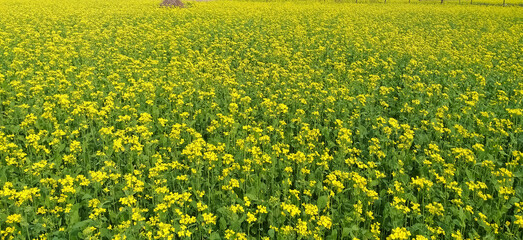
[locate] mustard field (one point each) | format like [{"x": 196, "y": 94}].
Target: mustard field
[{"x": 260, "y": 120}]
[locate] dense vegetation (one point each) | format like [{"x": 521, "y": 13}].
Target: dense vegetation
[{"x": 245, "y": 120}]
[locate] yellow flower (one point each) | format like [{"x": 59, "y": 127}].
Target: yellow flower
[
  {"x": 325, "y": 222},
  {"x": 457, "y": 235},
  {"x": 209, "y": 218},
  {"x": 301, "y": 228},
  {"x": 435, "y": 208},
  {"x": 229, "y": 234},
  {"x": 96, "y": 212},
  {"x": 310, "y": 209},
  {"x": 14, "y": 218},
  {"x": 421, "y": 183},
  {"x": 261, "y": 209},
  {"x": 399, "y": 233},
  {"x": 75, "y": 147},
  {"x": 247, "y": 202},
  {"x": 251, "y": 217},
  {"x": 184, "y": 232},
  {"x": 162, "y": 121},
  {"x": 291, "y": 209},
  {"x": 237, "y": 208},
  {"x": 128, "y": 201},
  {"x": 201, "y": 207},
  {"x": 94, "y": 203},
  {"x": 519, "y": 221},
  {"x": 186, "y": 219}
]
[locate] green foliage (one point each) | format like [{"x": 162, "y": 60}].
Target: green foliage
[{"x": 249, "y": 120}]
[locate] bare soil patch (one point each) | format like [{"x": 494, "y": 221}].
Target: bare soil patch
[{"x": 172, "y": 3}]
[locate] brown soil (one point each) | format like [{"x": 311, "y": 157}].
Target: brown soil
[{"x": 172, "y": 3}]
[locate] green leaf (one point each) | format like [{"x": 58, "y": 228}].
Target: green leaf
[
  {"x": 223, "y": 224},
  {"x": 82, "y": 224},
  {"x": 271, "y": 233},
  {"x": 345, "y": 233},
  {"x": 105, "y": 233},
  {"x": 215, "y": 236},
  {"x": 74, "y": 216},
  {"x": 322, "y": 202},
  {"x": 251, "y": 196},
  {"x": 333, "y": 235}
]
